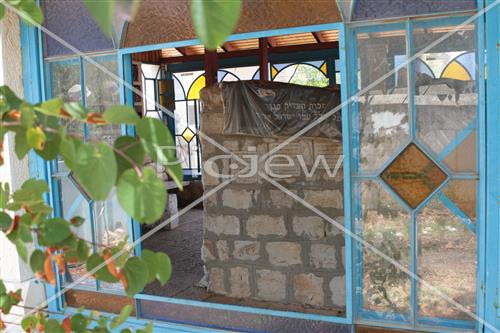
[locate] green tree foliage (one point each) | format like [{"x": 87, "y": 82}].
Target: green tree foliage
[{"x": 99, "y": 167}]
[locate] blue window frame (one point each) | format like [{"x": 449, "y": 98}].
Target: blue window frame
[{"x": 392, "y": 43}]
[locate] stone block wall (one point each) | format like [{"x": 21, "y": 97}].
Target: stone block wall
[{"x": 260, "y": 243}]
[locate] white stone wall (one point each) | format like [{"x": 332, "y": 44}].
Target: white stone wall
[
  {"x": 260, "y": 243},
  {"x": 13, "y": 271}
]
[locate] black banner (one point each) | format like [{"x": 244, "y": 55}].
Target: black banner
[{"x": 279, "y": 109}]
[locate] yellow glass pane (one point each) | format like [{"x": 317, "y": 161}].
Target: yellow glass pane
[
  {"x": 188, "y": 134},
  {"x": 456, "y": 71},
  {"x": 194, "y": 90},
  {"x": 274, "y": 71},
  {"x": 323, "y": 68}
]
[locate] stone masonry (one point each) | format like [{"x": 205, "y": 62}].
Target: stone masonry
[{"x": 259, "y": 242}]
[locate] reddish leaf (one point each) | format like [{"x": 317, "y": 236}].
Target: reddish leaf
[
  {"x": 49, "y": 270},
  {"x": 16, "y": 296},
  {"x": 14, "y": 115},
  {"x": 59, "y": 259},
  {"x": 111, "y": 264},
  {"x": 14, "y": 225},
  {"x": 63, "y": 113},
  {"x": 66, "y": 324},
  {"x": 95, "y": 118},
  {"x": 2, "y": 324}
]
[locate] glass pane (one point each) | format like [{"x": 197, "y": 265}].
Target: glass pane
[
  {"x": 383, "y": 108},
  {"x": 447, "y": 261},
  {"x": 463, "y": 194},
  {"x": 383, "y": 223},
  {"x": 369, "y": 9},
  {"x": 73, "y": 203},
  {"x": 302, "y": 74},
  {"x": 149, "y": 94},
  {"x": 111, "y": 227},
  {"x": 64, "y": 82},
  {"x": 70, "y": 20},
  {"x": 446, "y": 97},
  {"x": 102, "y": 90}
]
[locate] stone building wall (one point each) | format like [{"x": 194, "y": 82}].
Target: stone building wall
[{"x": 260, "y": 243}]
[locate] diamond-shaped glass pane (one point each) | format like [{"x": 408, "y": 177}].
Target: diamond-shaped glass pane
[
  {"x": 413, "y": 175},
  {"x": 188, "y": 134}
]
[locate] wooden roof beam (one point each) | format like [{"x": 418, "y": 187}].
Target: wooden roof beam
[
  {"x": 319, "y": 38},
  {"x": 182, "y": 50},
  {"x": 272, "y": 41},
  {"x": 228, "y": 47},
  {"x": 255, "y": 52}
]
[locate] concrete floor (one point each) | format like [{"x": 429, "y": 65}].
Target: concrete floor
[{"x": 183, "y": 245}]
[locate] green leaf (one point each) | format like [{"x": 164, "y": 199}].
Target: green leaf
[
  {"x": 54, "y": 231},
  {"x": 175, "y": 172},
  {"x": 21, "y": 146},
  {"x": 130, "y": 147},
  {"x": 102, "y": 322},
  {"x": 121, "y": 114},
  {"x": 23, "y": 230},
  {"x": 2, "y": 11},
  {"x": 27, "y": 115},
  {"x": 148, "y": 328},
  {"x": 53, "y": 326},
  {"x": 164, "y": 268},
  {"x": 102, "y": 274},
  {"x": 28, "y": 324},
  {"x": 5, "y": 303},
  {"x": 152, "y": 261},
  {"x": 124, "y": 314},
  {"x": 126, "y": 330},
  {"x": 69, "y": 147},
  {"x": 120, "y": 260},
  {"x": 22, "y": 251},
  {"x": 156, "y": 140},
  {"x": 79, "y": 252},
  {"x": 5, "y": 221},
  {"x": 4, "y": 195},
  {"x": 52, "y": 107},
  {"x": 214, "y": 20},
  {"x": 36, "y": 261},
  {"x": 78, "y": 323},
  {"x": 75, "y": 110},
  {"x": 8, "y": 100},
  {"x": 95, "y": 168},
  {"x": 2, "y": 287},
  {"x": 30, "y": 12},
  {"x": 102, "y": 13},
  {"x": 35, "y": 138},
  {"x": 144, "y": 198},
  {"x": 136, "y": 273},
  {"x": 32, "y": 190},
  {"x": 51, "y": 148}
]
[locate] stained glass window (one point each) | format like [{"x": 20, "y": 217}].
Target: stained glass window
[
  {"x": 150, "y": 76},
  {"x": 312, "y": 73},
  {"x": 187, "y": 87},
  {"x": 415, "y": 141}
]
